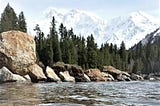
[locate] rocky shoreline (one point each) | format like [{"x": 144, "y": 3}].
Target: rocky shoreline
[{"x": 18, "y": 64}]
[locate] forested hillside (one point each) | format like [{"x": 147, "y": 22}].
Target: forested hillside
[
  {"x": 145, "y": 56},
  {"x": 63, "y": 45}
]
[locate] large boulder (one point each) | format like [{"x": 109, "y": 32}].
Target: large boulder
[
  {"x": 17, "y": 51},
  {"x": 51, "y": 75},
  {"x": 74, "y": 70},
  {"x": 7, "y": 76},
  {"x": 36, "y": 73},
  {"x": 95, "y": 75},
  {"x": 66, "y": 77},
  {"x": 117, "y": 74}
]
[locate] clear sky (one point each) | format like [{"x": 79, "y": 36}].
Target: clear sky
[{"x": 103, "y": 8}]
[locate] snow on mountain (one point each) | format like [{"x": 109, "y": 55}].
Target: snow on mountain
[
  {"x": 151, "y": 37},
  {"x": 83, "y": 23},
  {"x": 131, "y": 28}
]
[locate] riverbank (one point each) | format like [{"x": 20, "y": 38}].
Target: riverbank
[{"x": 18, "y": 63}]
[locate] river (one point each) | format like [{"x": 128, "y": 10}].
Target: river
[{"x": 134, "y": 93}]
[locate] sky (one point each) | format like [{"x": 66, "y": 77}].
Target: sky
[{"x": 106, "y": 9}]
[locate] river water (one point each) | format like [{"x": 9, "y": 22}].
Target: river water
[{"x": 134, "y": 93}]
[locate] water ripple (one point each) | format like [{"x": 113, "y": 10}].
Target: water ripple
[{"x": 136, "y": 93}]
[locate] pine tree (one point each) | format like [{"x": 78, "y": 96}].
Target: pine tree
[
  {"x": 72, "y": 47},
  {"x": 47, "y": 53},
  {"x": 39, "y": 39},
  {"x": 91, "y": 52},
  {"x": 123, "y": 56},
  {"x": 9, "y": 20},
  {"x": 82, "y": 53},
  {"x": 55, "y": 42},
  {"x": 64, "y": 44},
  {"x": 22, "y": 22}
]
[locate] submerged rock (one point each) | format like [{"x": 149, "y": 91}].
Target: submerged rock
[{"x": 7, "y": 76}]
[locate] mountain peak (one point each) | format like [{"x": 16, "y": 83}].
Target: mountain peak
[
  {"x": 141, "y": 17},
  {"x": 131, "y": 28}
]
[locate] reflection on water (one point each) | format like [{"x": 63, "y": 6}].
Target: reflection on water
[{"x": 81, "y": 94}]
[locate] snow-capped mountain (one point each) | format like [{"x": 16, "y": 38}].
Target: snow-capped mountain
[
  {"x": 152, "y": 37},
  {"x": 131, "y": 28},
  {"x": 83, "y": 23}
]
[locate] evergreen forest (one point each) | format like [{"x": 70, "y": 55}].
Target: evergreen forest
[{"x": 63, "y": 45}]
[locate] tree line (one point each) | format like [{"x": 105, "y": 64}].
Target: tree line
[
  {"x": 10, "y": 21},
  {"x": 64, "y": 45}
]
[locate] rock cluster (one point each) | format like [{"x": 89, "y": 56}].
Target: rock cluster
[
  {"x": 74, "y": 72},
  {"x": 18, "y": 64},
  {"x": 18, "y": 55}
]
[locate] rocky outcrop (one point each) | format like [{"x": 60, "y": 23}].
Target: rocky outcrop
[
  {"x": 95, "y": 75},
  {"x": 117, "y": 74},
  {"x": 75, "y": 71},
  {"x": 122, "y": 77},
  {"x": 17, "y": 51},
  {"x": 66, "y": 77},
  {"x": 36, "y": 73},
  {"x": 7, "y": 76},
  {"x": 136, "y": 77},
  {"x": 107, "y": 76},
  {"x": 18, "y": 54},
  {"x": 51, "y": 75}
]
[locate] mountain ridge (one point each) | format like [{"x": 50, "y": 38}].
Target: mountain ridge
[{"x": 131, "y": 28}]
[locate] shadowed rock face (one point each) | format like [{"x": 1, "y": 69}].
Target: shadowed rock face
[{"x": 17, "y": 51}]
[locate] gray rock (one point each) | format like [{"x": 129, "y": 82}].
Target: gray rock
[
  {"x": 8, "y": 76},
  {"x": 108, "y": 76},
  {"x": 122, "y": 77},
  {"x": 51, "y": 75},
  {"x": 36, "y": 73},
  {"x": 66, "y": 77},
  {"x": 136, "y": 77}
]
